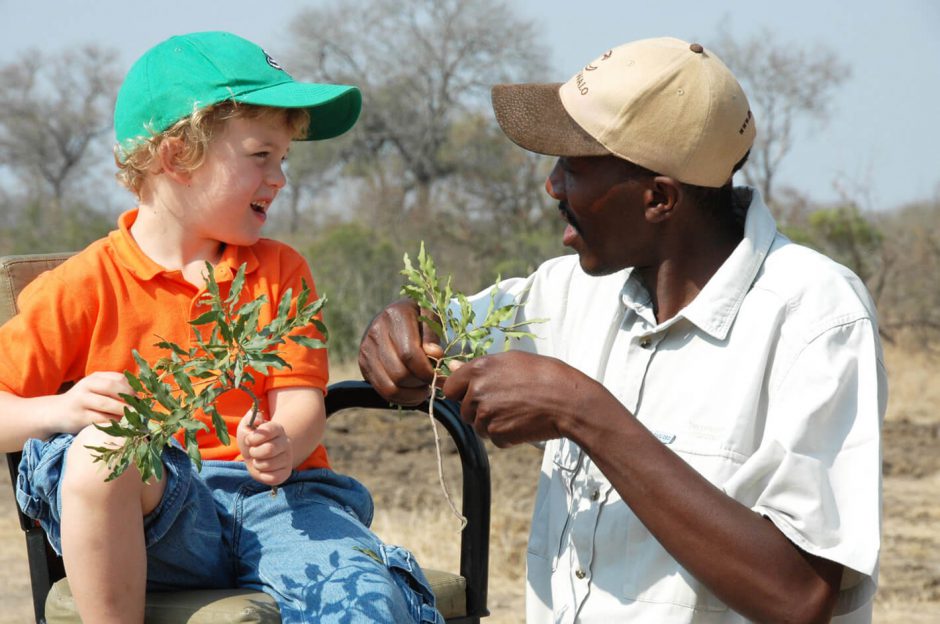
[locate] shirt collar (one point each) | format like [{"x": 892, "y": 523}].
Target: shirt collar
[
  {"x": 133, "y": 258},
  {"x": 715, "y": 307}
]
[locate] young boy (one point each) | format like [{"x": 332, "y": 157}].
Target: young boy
[{"x": 204, "y": 123}]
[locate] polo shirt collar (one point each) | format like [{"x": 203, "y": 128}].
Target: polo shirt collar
[
  {"x": 133, "y": 258},
  {"x": 715, "y": 307}
]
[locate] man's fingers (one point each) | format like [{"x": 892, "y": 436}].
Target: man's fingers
[
  {"x": 405, "y": 357},
  {"x": 430, "y": 341},
  {"x": 457, "y": 385},
  {"x": 392, "y": 355},
  {"x": 433, "y": 350},
  {"x": 382, "y": 367}
]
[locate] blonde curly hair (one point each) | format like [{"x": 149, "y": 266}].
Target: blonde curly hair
[{"x": 197, "y": 131}]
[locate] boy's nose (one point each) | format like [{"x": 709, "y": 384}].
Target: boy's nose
[{"x": 276, "y": 177}]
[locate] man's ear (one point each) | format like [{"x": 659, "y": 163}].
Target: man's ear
[
  {"x": 661, "y": 198},
  {"x": 167, "y": 161}
]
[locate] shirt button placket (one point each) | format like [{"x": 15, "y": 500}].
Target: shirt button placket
[{"x": 583, "y": 529}]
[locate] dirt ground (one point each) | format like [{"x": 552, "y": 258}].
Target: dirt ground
[{"x": 393, "y": 454}]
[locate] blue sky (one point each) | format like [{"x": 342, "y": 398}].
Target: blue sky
[{"x": 882, "y": 139}]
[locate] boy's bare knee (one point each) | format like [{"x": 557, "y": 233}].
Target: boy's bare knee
[
  {"x": 83, "y": 473},
  {"x": 85, "y": 477}
]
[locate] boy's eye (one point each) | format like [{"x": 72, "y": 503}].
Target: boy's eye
[{"x": 261, "y": 154}]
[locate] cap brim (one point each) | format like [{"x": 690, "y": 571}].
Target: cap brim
[
  {"x": 533, "y": 117},
  {"x": 333, "y": 109}
]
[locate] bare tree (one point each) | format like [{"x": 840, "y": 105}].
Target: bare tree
[
  {"x": 909, "y": 296},
  {"x": 313, "y": 169},
  {"x": 783, "y": 83},
  {"x": 55, "y": 112},
  {"x": 421, "y": 64},
  {"x": 51, "y": 112}
]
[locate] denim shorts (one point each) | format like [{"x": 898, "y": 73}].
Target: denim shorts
[{"x": 308, "y": 546}]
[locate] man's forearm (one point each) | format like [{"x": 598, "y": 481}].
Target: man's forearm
[{"x": 739, "y": 555}]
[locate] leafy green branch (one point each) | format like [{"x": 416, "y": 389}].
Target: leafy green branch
[
  {"x": 229, "y": 347},
  {"x": 463, "y": 336}
]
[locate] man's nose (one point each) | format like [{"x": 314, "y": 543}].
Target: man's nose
[{"x": 554, "y": 183}]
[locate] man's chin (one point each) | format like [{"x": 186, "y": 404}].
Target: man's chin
[{"x": 591, "y": 266}]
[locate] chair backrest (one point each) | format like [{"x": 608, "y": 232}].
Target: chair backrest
[
  {"x": 18, "y": 271},
  {"x": 15, "y": 273}
]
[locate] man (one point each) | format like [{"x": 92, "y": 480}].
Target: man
[{"x": 710, "y": 393}]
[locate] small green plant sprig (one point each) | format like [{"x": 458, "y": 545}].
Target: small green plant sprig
[
  {"x": 463, "y": 337},
  {"x": 229, "y": 345}
]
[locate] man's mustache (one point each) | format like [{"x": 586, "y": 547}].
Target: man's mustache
[{"x": 568, "y": 216}]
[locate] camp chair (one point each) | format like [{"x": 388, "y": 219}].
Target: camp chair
[{"x": 461, "y": 597}]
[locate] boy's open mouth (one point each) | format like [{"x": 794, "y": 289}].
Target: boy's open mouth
[{"x": 260, "y": 206}]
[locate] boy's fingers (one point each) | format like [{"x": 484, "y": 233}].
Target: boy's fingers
[
  {"x": 259, "y": 435},
  {"x": 108, "y": 383},
  {"x": 269, "y": 464},
  {"x": 107, "y": 406}
]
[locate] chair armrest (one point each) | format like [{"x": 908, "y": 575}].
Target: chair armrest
[{"x": 475, "y": 537}]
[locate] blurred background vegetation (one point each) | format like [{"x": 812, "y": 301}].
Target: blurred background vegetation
[{"x": 427, "y": 161}]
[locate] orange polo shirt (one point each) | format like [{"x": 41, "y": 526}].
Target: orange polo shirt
[{"x": 87, "y": 315}]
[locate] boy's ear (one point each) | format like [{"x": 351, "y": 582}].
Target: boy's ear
[{"x": 167, "y": 161}]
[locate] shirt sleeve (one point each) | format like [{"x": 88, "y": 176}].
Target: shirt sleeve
[
  {"x": 817, "y": 473},
  {"x": 42, "y": 344},
  {"x": 308, "y": 367}
]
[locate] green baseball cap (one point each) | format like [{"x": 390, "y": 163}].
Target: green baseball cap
[{"x": 188, "y": 72}]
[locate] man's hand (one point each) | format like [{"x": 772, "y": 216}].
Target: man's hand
[
  {"x": 517, "y": 397},
  {"x": 266, "y": 449},
  {"x": 93, "y": 399},
  {"x": 394, "y": 352}
]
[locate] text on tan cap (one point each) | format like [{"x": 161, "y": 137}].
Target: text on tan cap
[{"x": 664, "y": 104}]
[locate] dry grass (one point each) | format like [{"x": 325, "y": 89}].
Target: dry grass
[{"x": 393, "y": 454}]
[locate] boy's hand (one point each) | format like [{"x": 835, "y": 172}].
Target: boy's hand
[
  {"x": 93, "y": 399},
  {"x": 266, "y": 449}
]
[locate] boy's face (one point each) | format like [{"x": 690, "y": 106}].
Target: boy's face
[{"x": 231, "y": 192}]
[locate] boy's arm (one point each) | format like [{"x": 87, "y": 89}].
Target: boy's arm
[
  {"x": 93, "y": 399},
  {"x": 295, "y": 428},
  {"x": 302, "y": 413}
]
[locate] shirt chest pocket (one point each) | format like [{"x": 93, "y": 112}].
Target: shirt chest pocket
[
  {"x": 553, "y": 502},
  {"x": 651, "y": 574}
]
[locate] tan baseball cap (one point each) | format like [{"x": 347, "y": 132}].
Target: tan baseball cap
[{"x": 665, "y": 104}]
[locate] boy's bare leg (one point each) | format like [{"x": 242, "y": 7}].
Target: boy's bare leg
[{"x": 103, "y": 534}]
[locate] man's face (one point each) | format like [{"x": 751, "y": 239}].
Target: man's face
[{"x": 601, "y": 198}]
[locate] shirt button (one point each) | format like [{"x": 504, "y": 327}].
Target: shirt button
[
  {"x": 580, "y": 573},
  {"x": 645, "y": 342},
  {"x": 596, "y": 494}
]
